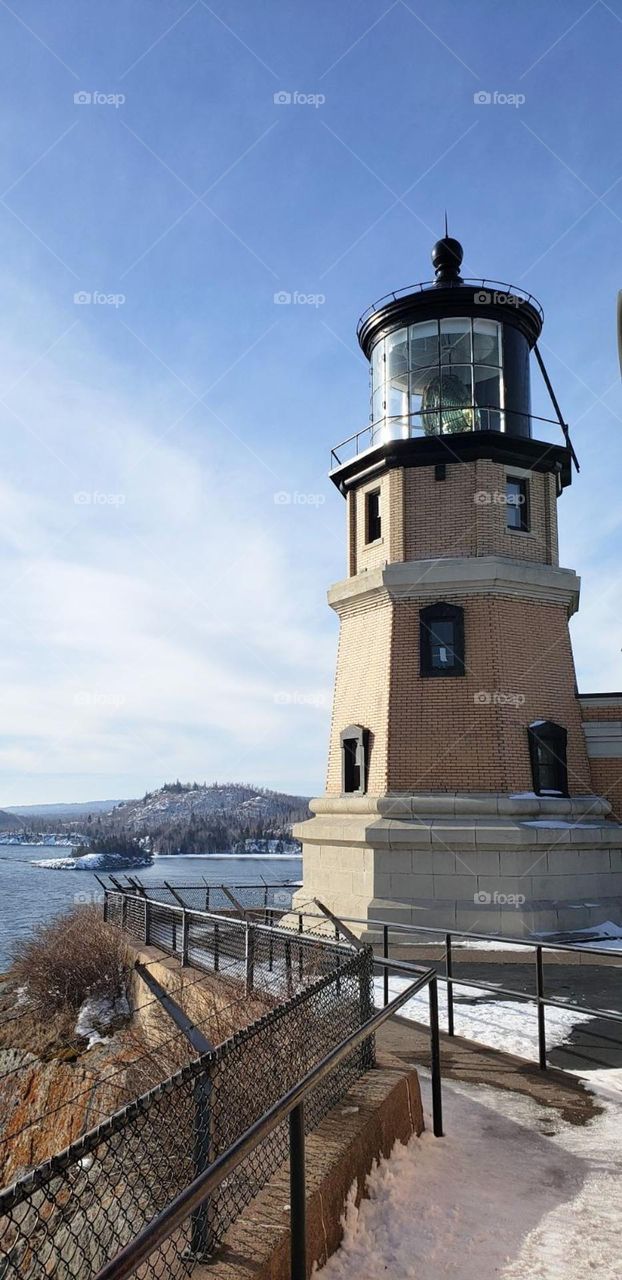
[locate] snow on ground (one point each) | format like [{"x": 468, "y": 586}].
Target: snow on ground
[
  {"x": 509, "y": 1025},
  {"x": 97, "y": 1014},
  {"x": 600, "y": 937},
  {"x": 512, "y": 1192}
]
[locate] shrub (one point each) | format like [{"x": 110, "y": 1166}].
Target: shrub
[{"x": 74, "y": 957}]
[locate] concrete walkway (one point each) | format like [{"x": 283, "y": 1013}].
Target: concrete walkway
[
  {"x": 409, "y": 1043},
  {"x": 525, "y": 1185}
]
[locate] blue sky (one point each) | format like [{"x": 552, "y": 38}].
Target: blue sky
[{"x": 162, "y": 614}]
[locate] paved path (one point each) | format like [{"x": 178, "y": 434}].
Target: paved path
[{"x": 472, "y": 1063}]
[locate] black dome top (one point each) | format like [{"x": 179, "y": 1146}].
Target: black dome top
[
  {"x": 449, "y": 295},
  {"x": 447, "y": 256}
]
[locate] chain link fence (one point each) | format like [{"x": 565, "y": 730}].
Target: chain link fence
[
  {"x": 277, "y": 961},
  {"x": 213, "y": 897},
  {"x": 71, "y": 1214}
]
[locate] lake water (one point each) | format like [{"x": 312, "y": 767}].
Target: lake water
[{"x": 29, "y": 894}]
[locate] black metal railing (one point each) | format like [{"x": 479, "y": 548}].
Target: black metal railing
[
  {"x": 427, "y": 423},
  {"x": 67, "y": 1216},
  {"x": 209, "y": 895},
  {"x": 253, "y": 950},
  {"x": 508, "y": 292},
  {"x": 291, "y": 1107},
  {"x": 539, "y": 997}
]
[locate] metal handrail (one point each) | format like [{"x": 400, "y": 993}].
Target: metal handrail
[
  {"x": 480, "y": 281},
  {"x": 290, "y": 1105},
  {"x": 540, "y": 1000},
  {"x": 420, "y": 413},
  {"x": 466, "y": 933}
]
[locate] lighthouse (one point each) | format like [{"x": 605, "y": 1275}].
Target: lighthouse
[{"x": 465, "y": 772}]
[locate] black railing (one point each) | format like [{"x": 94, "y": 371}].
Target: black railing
[
  {"x": 539, "y": 998},
  {"x": 84, "y": 1205},
  {"x": 426, "y": 423},
  {"x": 209, "y": 895},
  {"x": 290, "y": 1106},
  {"x": 499, "y": 287}
]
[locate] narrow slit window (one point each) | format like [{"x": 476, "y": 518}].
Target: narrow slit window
[
  {"x": 354, "y": 760},
  {"x": 373, "y": 521},
  {"x": 517, "y": 504},
  {"x": 548, "y": 752}
]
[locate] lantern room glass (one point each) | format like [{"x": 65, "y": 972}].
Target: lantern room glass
[{"x": 437, "y": 378}]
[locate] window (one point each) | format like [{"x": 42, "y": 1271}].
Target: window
[
  {"x": 354, "y": 741},
  {"x": 438, "y": 377},
  {"x": 373, "y": 523},
  {"x": 547, "y": 749},
  {"x": 517, "y": 503},
  {"x": 441, "y": 640}
]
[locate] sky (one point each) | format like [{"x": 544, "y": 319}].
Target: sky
[{"x": 197, "y": 201}]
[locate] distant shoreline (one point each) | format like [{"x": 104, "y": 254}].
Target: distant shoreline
[{"x": 239, "y": 857}]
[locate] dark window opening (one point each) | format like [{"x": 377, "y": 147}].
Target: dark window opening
[
  {"x": 441, "y": 639},
  {"x": 373, "y": 523},
  {"x": 547, "y": 749},
  {"x": 440, "y": 471},
  {"x": 354, "y": 759},
  {"x": 517, "y": 503}
]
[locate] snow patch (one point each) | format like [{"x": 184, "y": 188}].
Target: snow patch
[
  {"x": 93, "y": 862},
  {"x": 559, "y": 822},
  {"x": 512, "y": 1191},
  {"x": 508, "y": 1025},
  {"x": 98, "y": 1013}
]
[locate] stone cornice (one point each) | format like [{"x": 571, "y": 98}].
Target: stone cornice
[
  {"x": 460, "y": 576},
  {"x": 449, "y": 804}
]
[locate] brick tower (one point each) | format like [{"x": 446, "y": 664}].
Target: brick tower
[{"x": 459, "y": 789}]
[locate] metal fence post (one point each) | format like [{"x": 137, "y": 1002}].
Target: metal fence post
[
  {"x": 300, "y": 949},
  {"x": 250, "y": 958},
  {"x": 435, "y": 1056},
  {"x": 385, "y": 952},
  {"x": 201, "y": 1221},
  {"x": 147, "y": 920},
  {"x": 184, "y": 937},
  {"x": 271, "y": 942},
  {"x": 449, "y": 969},
  {"x": 541, "y": 1014},
  {"x": 216, "y": 947},
  {"x": 288, "y": 967},
  {"x": 366, "y": 1005},
  {"x": 297, "y": 1193},
  {"x": 124, "y": 911}
]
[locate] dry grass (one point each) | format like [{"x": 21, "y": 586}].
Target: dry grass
[{"x": 74, "y": 957}]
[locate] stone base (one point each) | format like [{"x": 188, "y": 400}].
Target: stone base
[{"x": 512, "y": 865}]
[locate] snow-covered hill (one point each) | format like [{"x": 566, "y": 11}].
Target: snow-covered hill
[{"x": 194, "y": 818}]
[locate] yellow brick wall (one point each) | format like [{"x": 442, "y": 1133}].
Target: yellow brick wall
[
  {"x": 606, "y": 773},
  {"x": 370, "y": 555},
  {"x": 443, "y": 737},
  {"x": 362, "y": 690},
  {"x": 439, "y": 734},
  {"x": 607, "y": 782},
  {"x": 465, "y": 515},
  {"x": 612, "y": 712}
]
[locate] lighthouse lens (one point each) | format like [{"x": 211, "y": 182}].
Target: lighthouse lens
[{"x": 437, "y": 378}]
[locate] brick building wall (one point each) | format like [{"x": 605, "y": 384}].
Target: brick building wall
[
  {"x": 469, "y": 733},
  {"x": 465, "y": 514},
  {"x": 362, "y": 685},
  {"x": 463, "y": 733},
  {"x": 606, "y": 770}
]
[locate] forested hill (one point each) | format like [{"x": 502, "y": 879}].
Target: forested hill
[{"x": 200, "y": 818}]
